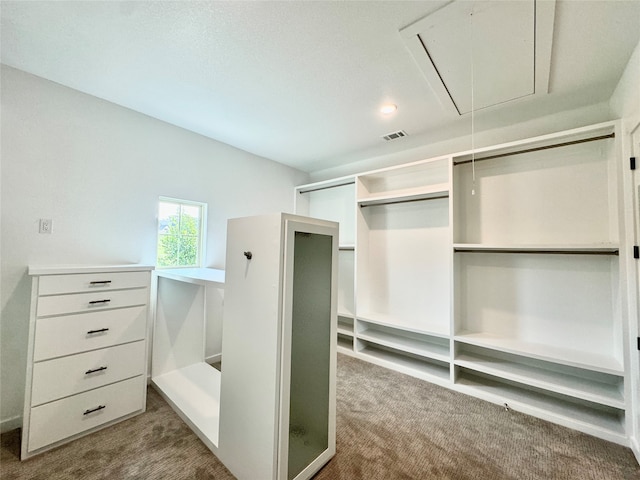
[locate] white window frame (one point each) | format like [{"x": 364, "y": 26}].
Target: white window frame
[{"x": 202, "y": 234}]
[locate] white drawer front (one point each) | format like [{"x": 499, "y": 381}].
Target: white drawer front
[
  {"x": 61, "y": 377},
  {"x": 90, "y": 282},
  {"x": 58, "y": 336},
  {"x": 84, "y": 302},
  {"x": 63, "y": 418}
]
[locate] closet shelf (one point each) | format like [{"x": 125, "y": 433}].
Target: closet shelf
[
  {"x": 432, "y": 329},
  {"x": 422, "y": 348},
  {"x": 593, "y": 249},
  {"x": 404, "y": 362},
  {"x": 345, "y": 344},
  {"x": 346, "y": 332},
  {"x": 601, "y": 421},
  {"x": 347, "y": 247},
  {"x": 194, "y": 392},
  {"x": 198, "y": 276},
  {"x": 428, "y": 192},
  {"x": 564, "y": 356},
  {"x": 609, "y": 394}
]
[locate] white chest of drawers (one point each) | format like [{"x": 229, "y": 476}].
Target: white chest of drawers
[{"x": 87, "y": 353}]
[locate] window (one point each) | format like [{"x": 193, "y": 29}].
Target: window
[{"x": 180, "y": 237}]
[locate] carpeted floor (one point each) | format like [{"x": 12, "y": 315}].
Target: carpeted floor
[{"x": 389, "y": 426}]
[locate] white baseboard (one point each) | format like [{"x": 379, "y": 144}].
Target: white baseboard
[
  {"x": 635, "y": 448},
  {"x": 9, "y": 424}
]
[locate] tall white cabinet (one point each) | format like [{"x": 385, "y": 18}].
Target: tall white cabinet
[
  {"x": 500, "y": 273},
  {"x": 277, "y": 391}
]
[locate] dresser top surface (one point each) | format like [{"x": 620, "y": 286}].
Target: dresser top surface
[{"x": 36, "y": 270}]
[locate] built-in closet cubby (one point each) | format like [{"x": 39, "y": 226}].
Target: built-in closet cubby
[
  {"x": 335, "y": 201},
  {"x": 403, "y": 267},
  {"x": 537, "y": 308},
  {"x": 498, "y": 272}
]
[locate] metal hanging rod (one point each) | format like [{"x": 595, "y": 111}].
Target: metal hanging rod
[
  {"x": 350, "y": 182},
  {"x": 544, "y": 252},
  {"x": 536, "y": 149},
  {"x": 364, "y": 203}
]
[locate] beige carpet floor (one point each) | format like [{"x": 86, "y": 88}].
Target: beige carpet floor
[{"x": 389, "y": 426}]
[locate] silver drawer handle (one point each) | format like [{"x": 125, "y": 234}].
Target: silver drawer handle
[
  {"x": 100, "y": 330},
  {"x": 94, "y": 370},
  {"x": 94, "y": 302},
  {"x": 91, "y": 410},
  {"x": 100, "y": 282}
]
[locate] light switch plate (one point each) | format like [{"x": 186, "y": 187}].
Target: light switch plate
[{"x": 45, "y": 225}]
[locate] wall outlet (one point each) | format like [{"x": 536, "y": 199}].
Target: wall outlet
[{"x": 45, "y": 225}]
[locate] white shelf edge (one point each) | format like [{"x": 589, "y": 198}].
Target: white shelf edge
[
  {"x": 346, "y": 315},
  {"x": 406, "y": 364},
  {"x": 369, "y": 318},
  {"x": 344, "y": 347},
  {"x": 613, "y": 398},
  {"x": 324, "y": 184},
  {"x": 440, "y": 190},
  {"x": 194, "y": 393},
  {"x": 198, "y": 276},
  {"x": 345, "y": 331},
  {"x": 346, "y": 350},
  {"x": 558, "y": 355},
  {"x": 408, "y": 345},
  {"x": 603, "y": 128},
  {"x": 42, "y": 270},
  {"x": 574, "y": 417}
]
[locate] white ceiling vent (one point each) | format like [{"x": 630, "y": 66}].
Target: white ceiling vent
[
  {"x": 483, "y": 53},
  {"x": 395, "y": 135}
]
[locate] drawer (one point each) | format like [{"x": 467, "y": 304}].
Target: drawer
[
  {"x": 58, "y": 420},
  {"x": 91, "y": 282},
  {"x": 61, "y": 377},
  {"x": 69, "y": 334},
  {"x": 94, "y": 301}
]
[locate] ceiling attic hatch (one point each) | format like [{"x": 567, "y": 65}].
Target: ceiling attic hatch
[{"x": 479, "y": 54}]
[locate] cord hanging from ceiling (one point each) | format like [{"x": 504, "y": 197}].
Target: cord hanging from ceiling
[{"x": 473, "y": 144}]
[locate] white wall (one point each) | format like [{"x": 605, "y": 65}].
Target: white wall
[
  {"x": 97, "y": 170},
  {"x": 625, "y": 101}
]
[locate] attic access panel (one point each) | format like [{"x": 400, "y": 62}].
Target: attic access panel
[{"x": 483, "y": 53}]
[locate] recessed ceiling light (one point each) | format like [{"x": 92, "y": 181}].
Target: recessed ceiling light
[{"x": 388, "y": 109}]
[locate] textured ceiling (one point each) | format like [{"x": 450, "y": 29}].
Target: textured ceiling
[{"x": 299, "y": 82}]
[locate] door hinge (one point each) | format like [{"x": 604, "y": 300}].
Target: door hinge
[
  {"x": 632, "y": 163},
  {"x": 638, "y": 343},
  {"x": 636, "y": 251}
]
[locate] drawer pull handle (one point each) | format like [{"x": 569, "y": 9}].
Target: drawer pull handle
[
  {"x": 100, "y": 282},
  {"x": 91, "y": 410},
  {"x": 94, "y": 302},
  {"x": 100, "y": 330},
  {"x": 94, "y": 370}
]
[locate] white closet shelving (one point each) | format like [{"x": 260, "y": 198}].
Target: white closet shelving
[
  {"x": 403, "y": 264},
  {"x": 498, "y": 273},
  {"x": 178, "y": 367},
  {"x": 335, "y": 201}
]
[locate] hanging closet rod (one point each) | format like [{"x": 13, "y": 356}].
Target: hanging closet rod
[
  {"x": 364, "y": 203},
  {"x": 350, "y": 182},
  {"x": 544, "y": 252},
  {"x": 536, "y": 149}
]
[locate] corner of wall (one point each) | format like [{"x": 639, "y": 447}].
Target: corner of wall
[{"x": 625, "y": 100}]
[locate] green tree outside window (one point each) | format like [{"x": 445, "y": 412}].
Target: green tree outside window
[{"x": 179, "y": 234}]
